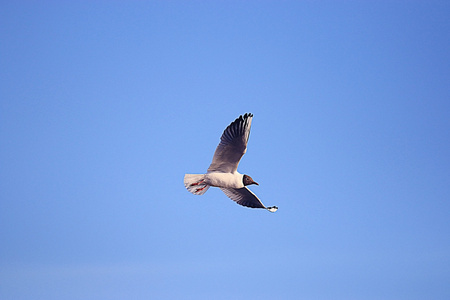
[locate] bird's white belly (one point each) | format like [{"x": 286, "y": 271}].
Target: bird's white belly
[{"x": 225, "y": 180}]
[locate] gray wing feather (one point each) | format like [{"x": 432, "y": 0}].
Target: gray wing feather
[
  {"x": 232, "y": 146},
  {"x": 244, "y": 197}
]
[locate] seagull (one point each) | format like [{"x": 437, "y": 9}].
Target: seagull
[{"x": 222, "y": 172}]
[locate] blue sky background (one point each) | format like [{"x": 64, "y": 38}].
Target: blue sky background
[{"x": 104, "y": 106}]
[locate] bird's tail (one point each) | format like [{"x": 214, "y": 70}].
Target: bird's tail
[{"x": 195, "y": 183}]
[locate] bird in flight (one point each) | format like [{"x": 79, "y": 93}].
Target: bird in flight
[{"x": 222, "y": 172}]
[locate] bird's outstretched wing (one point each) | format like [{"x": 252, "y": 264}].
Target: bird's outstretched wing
[
  {"x": 232, "y": 146},
  {"x": 245, "y": 197}
]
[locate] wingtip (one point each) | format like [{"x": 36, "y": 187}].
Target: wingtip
[{"x": 272, "y": 208}]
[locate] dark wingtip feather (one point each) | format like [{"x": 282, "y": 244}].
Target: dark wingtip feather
[{"x": 237, "y": 127}]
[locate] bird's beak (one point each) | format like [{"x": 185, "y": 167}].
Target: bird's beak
[{"x": 255, "y": 183}]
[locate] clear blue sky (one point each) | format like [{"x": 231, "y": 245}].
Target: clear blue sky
[{"x": 104, "y": 106}]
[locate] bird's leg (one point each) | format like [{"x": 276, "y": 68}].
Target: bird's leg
[
  {"x": 197, "y": 183},
  {"x": 200, "y": 189}
]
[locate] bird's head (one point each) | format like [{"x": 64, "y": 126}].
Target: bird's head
[{"x": 248, "y": 180}]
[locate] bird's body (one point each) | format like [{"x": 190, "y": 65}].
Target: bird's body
[
  {"x": 223, "y": 172},
  {"x": 225, "y": 180}
]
